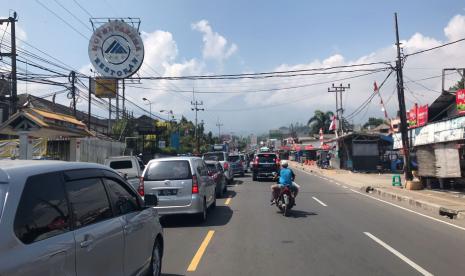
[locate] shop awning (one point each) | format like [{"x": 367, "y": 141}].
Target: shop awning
[{"x": 44, "y": 124}]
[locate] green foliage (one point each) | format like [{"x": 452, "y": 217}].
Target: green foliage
[
  {"x": 373, "y": 122},
  {"x": 319, "y": 120}
]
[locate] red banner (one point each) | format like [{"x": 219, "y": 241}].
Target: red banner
[
  {"x": 412, "y": 117},
  {"x": 460, "y": 101},
  {"x": 422, "y": 115}
]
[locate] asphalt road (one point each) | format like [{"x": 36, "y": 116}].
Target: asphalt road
[{"x": 332, "y": 231}]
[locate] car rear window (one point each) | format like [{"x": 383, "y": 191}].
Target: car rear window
[
  {"x": 217, "y": 156},
  {"x": 233, "y": 158},
  {"x": 168, "y": 170},
  {"x": 123, "y": 164},
  {"x": 266, "y": 158}
]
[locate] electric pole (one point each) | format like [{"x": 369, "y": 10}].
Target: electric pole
[
  {"x": 339, "y": 109},
  {"x": 73, "y": 90},
  {"x": 196, "y": 108},
  {"x": 401, "y": 98},
  {"x": 12, "y": 55}
]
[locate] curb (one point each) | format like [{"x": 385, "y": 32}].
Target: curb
[{"x": 452, "y": 213}]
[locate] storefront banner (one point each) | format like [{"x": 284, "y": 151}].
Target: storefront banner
[
  {"x": 460, "y": 101},
  {"x": 446, "y": 131},
  {"x": 412, "y": 117},
  {"x": 422, "y": 115}
]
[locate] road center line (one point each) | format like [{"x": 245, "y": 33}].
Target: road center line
[
  {"x": 398, "y": 254},
  {"x": 198, "y": 256},
  {"x": 228, "y": 200},
  {"x": 319, "y": 201}
]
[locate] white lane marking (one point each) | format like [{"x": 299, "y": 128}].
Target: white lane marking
[
  {"x": 345, "y": 187},
  {"x": 398, "y": 254},
  {"x": 319, "y": 201},
  {"x": 339, "y": 184},
  {"x": 408, "y": 210}
]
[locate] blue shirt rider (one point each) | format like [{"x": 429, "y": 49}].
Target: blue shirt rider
[{"x": 285, "y": 177}]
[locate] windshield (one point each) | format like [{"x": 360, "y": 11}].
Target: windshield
[
  {"x": 233, "y": 158},
  {"x": 168, "y": 170},
  {"x": 217, "y": 156},
  {"x": 267, "y": 158}
]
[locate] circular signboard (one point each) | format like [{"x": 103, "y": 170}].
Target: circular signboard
[{"x": 116, "y": 50}]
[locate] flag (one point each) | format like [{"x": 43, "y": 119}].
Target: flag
[{"x": 332, "y": 126}]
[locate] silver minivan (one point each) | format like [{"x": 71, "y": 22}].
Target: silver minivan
[
  {"x": 63, "y": 218},
  {"x": 182, "y": 185}
]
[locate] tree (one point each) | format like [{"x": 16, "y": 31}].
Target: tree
[
  {"x": 319, "y": 120},
  {"x": 373, "y": 122}
]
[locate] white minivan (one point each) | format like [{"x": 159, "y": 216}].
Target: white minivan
[
  {"x": 129, "y": 167},
  {"x": 182, "y": 185}
]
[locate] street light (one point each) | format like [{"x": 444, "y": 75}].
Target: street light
[{"x": 150, "y": 106}]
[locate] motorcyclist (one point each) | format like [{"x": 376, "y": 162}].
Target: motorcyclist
[{"x": 285, "y": 177}]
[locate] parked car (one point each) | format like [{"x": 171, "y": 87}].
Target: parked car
[
  {"x": 64, "y": 218},
  {"x": 264, "y": 165},
  {"x": 222, "y": 157},
  {"x": 215, "y": 170},
  {"x": 130, "y": 167},
  {"x": 182, "y": 185},
  {"x": 236, "y": 164}
]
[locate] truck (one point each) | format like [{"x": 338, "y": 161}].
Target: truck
[
  {"x": 220, "y": 147},
  {"x": 129, "y": 167}
]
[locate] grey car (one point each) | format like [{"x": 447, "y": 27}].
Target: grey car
[
  {"x": 182, "y": 185},
  {"x": 63, "y": 218}
]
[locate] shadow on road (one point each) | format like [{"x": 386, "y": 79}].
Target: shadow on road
[
  {"x": 219, "y": 216},
  {"x": 237, "y": 182},
  {"x": 229, "y": 193},
  {"x": 300, "y": 214}
]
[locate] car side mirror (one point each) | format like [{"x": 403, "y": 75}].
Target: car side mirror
[{"x": 150, "y": 200}]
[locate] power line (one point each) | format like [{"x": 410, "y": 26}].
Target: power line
[
  {"x": 64, "y": 21},
  {"x": 82, "y": 8},
  {"x": 434, "y": 48},
  {"x": 74, "y": 16}
]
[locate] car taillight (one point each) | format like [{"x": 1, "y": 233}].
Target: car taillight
[
  {"x": 240, "y": 162},
  {"x": 226, "y": 166},
  {"x": 278, "y": 161},
  {"x": 140, "y": 189},
  {"x": 195, "y": 185},
  {"x": 255, "y": 162}
]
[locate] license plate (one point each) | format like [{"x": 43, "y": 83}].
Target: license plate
[{"x": 169, "y": 192}]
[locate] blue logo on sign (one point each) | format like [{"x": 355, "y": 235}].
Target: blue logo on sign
[{"x": 115, "y": 48}]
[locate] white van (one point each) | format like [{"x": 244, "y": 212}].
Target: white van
[{"x": 130, "y": 167}]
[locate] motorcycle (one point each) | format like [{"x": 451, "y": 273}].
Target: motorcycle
[{"x": 285, "y": 201}]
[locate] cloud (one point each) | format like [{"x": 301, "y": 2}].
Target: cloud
[
  {"x": 216, "y": 46},
  {"x": 259, "y": 111}
]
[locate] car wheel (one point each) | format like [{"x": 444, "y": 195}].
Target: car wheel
[
  {"x": 155, "y": 264},
  {"x": 203, "y": 215},
  {"x": 254, "y": 177},
  {"x": 242, "y": 174}
]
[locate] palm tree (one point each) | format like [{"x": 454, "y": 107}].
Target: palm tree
[{"x": 319, "y": 120}]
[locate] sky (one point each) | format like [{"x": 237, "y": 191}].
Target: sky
[{"x": 184, "y": 38}]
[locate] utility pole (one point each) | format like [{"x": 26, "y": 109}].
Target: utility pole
[
  {"x": 196, "y": 108},
  {"x": 90, "y": 102},
  {"x": 401, "y": 98},
  {"x": 219, "y": 125},
  {"x": 73, "y": 91},
  {"x": 12, "y": 54},
  {"x": 339, "y": 109},
  {"x": 124, "y": 97}
]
